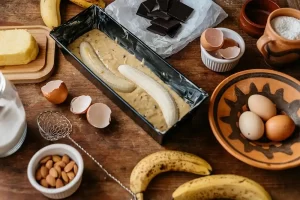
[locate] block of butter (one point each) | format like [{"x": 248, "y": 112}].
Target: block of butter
[{"x": 17, "y": 47}]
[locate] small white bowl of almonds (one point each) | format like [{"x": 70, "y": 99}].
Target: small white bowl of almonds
[{"x": 56, "y": 171}]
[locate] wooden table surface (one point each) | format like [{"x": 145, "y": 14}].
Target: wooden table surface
[{"x": 120, "y": 146}]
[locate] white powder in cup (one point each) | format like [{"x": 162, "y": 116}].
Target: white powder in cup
[{"x": 287, "y": 27}]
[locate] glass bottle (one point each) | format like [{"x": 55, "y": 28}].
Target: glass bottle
[{"x": 13, "y": 126}]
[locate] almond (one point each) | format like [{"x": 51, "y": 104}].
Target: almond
[
  {"x": 45, "y": 159},
  {"x": 71, "y": 175},
  {"x": 69, "y": 166},
  {"x": 44, "y": 171},
  {"x": 38, "y": 175},
  {"x": 53, "y": 173},
  {"x": 59, "y": 183},
  {"x": 58, "y": 169},
  {"x": 49, "y": 164},
  {"x": 51, "y": 180},
  {"x": 75, "y": 169},
  {"x": 56, "y": 158},
  {"x": 66, "y": 159},
  {"x": 61, "y": 164},
  {"x": 44, "y": 183},
  {"x": 65, "y": 176}
]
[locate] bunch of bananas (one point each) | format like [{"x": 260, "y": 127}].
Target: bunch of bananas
[
  {"x": 50, "y": 10},
  {"x": 225, "y": 186}
]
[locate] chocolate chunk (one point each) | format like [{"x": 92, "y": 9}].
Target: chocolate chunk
[
  {"x": 171, "y": 2},
  {"x": 180, "y": 11},
  {"x": 166, "y": 24},
  {"x": 142, "y": 11},
  {"x": 163, "y": 31},
  {"x": 149, "y": 5},
  {"x": 174, "y": 31},
  {"x": 157, "y": 30},
  {"x": 163, "y": 4},
  {"x": 159, "y": 14}
]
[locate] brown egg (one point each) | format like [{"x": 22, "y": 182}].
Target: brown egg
[
  {"x": 251, "y": 125},
  {"x": 262, "y": 106},
  {"x": 55, "y": 91},
  {"x": 212, "y": 39},
  {"x": 279, "y": 128}
]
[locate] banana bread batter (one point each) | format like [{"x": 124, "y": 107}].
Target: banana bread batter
[{"x": 113, "y": 55}]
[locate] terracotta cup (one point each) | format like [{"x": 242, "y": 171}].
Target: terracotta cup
[
  {"x": 254, "y": 15},
  {"x": 276, "y": 49}
]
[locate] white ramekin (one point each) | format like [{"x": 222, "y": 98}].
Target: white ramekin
[
  {"x": 56, "y": 149},
  {"x": 222, "y": 65}
]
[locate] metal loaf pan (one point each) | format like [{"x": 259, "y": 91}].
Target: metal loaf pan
[{"x": 94, "y": 17}]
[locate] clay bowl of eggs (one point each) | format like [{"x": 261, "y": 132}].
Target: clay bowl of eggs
[
  {"x": 221, "y": 49},
  {"x": 255, "y": 116}
]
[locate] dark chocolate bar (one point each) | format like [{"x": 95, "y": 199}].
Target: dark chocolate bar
[
  {"x": 149, "y": 5},
  {"x": 166, "y": 24},
  {"x": 159, "y": 14},
  {"x": 171, "y": 2},
  {"x": 180, "y": 11},
  {"x": 171, "y": 33},
  {"x": 142, "y": 11},
  {"x": 163, "y": 4},
  {"x": 157, "y": 30}
]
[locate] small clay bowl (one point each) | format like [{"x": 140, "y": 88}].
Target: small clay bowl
[
  {"x": 229, "y": 100},
  {"x": 254, "y": 15}
]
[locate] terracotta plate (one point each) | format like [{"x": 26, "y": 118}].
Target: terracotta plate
[{"x": 229, "y": 100}]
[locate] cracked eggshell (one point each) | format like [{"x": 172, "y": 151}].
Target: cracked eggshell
[
  {"x": 230, "y": 52},
  {"x": 212, "y": 39},
  {"x": 55, "y": 91},
  {"x": 228, "y": 42},
  {"x": 80, "y": 105},
  {"x": 99, "y": 115}
]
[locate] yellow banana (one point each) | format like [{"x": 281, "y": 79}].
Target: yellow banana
[
  {"x": 164, "y": 161},
  {"x": 50, "y": 12},
  {"x": 88, "y": 3},
  {"x": 221, "y": 187}
]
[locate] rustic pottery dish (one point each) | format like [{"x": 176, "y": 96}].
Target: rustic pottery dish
[
  {"x": 229, "y": 100},
  {"x": 276, "y": 49},
  {"x": 254, "y": 15}
]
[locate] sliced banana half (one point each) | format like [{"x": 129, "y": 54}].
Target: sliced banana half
[
  {"x": 91, "y": 60},
  {"x": 155, "y": 90}
]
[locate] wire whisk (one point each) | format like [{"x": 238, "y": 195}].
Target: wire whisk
[{"x": 54, "y": 126}]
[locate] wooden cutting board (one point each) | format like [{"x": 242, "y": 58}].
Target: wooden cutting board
[{"x": 41, "y": 68}]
